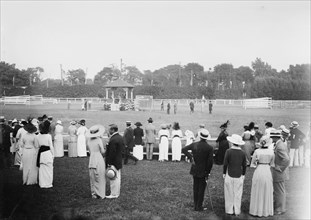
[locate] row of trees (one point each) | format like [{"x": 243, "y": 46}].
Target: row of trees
[{"x": 223, "y": 81}]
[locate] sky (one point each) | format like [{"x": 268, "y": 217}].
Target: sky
[{"x": 150, "y": 35}]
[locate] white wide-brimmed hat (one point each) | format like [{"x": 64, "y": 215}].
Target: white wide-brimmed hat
[
  {"x": 295, "y": 124},
  {"x": 235, "y": 139},
  {"x": 96, "y": 131},
  {"x": 189, "y": 134},
  {"x": 204, "y": 134},
  {"x": 111, "y": 172}
]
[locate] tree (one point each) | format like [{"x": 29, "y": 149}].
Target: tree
[
  {"x": 34, "y": 75},
  {"x": 244, "y": 74},
  {"x": 262, "y": 69},
  {"x": 76, "y": 77},
  {"x": 106, "y": 75},
  {"x": 133, "y": 75},
  {"x": 196, "y": 74}
]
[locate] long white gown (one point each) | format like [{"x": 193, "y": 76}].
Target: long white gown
[
  {"x": 261, "y": 201},
  {"x": 58, "y": 141},
  {"x": 163, "y": 144},
  {"x": 81, "y": 141},
  {"x": 18, "y": 156},
  {"x": 176, "y": 145},
  {"x": 46, "y": 161}
]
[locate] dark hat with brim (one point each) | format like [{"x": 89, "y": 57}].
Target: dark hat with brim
[
  {"x": 30, "y": 128},
  {"x": 2, "y": 119},
  {"x": 150, "y": 120},
  {"x": 138, "y": 124}
]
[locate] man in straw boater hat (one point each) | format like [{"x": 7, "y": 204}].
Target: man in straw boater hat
[
  {"x": 202, "y": 163},
  {"x": 151, "y": 132},
  {"x": 233, "y": 173},
  {"x": 128, "y": 137},
  {"x": 279, "y": 171},
  {"x": 296, "y": 145},
  {"x": 114, "y": 157}
]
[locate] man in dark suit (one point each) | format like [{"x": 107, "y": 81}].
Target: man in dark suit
[
  {"x": 202, "y": 163},
  {"x": 128, "y": 137},
  {"x": 279, "y": 171},
  {"x": 114, "y": 158}
]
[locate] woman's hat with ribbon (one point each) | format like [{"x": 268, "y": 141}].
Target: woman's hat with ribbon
[
  {"x": 236, "y": 139},
  {"x": 96, "y": 131}
]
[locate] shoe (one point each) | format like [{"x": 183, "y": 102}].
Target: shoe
[
  {"x": 278, "y": 213},
  {"x": 111, "y": 197}
]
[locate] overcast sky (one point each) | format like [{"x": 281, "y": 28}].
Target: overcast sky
[{"x": 153, "y": 34}]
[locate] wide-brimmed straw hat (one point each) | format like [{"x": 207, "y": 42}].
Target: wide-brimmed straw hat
[
  {"x": 275, "y": 133},
  {"x": 204, "y": 134},
  {"x": 14, "y": 121},
  {"x": 59, "y": 122},
  {"x": 111, "y": 172},
  {"x": 294, "y": 124},
  {"x": 96, "y": 131},
  {"x": 73, "y": 122},
  {"x": 30, "y": 128},
  {"x": 235, "y": 139}
]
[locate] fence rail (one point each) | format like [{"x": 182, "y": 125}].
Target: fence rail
[{"x": 300, "y": 104}]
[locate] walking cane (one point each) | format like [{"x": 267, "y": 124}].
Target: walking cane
[{"x": 209, "y": 195}]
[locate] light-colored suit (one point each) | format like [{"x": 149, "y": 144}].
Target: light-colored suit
[
  {"x": 280, "y": 174},
  {"x": 150, "y": 138}
]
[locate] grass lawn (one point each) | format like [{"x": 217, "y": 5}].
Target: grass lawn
[{"x": 150, "y": 190}]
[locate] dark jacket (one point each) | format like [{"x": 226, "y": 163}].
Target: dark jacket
[
  {"x": 5, "y": 139},
  {"x": 114, "y": 151},
  {"x": 128, "y": 137},
  {"x": 296, "y": 138},
  {"x": 138, "y": 134},
  {"x": 202, "y": 154}
]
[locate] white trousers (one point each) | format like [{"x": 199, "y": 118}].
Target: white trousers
[
  {"x": 115, "y": 185},
  {"x": 296, "y": 156},
  {"x": 233, "y": 194}
]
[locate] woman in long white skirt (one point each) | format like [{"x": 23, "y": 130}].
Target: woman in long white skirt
[
  {"x": 97, "y": 165},
  {"x": 81, "y": 141},
  {"x": 30, "y": 147},
  {"x": 18, "y": 147},
  {"x": 58, "y": 140},
  {"x": 45, "y": 157},
  {"x": 261, "y": 203},
  {"x": 163, "y": 143},
  {"x": 72, "y": 142},
  {"x": 176, "y": 142}
]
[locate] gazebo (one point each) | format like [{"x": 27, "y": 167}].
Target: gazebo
[{"x": 128, "y": 88}]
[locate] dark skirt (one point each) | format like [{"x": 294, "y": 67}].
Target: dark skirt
[{"x": 220, "y": 155}]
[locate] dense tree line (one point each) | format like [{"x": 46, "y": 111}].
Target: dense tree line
[{"x": 173, "y": 81}]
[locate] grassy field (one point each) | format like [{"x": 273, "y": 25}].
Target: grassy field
[{"x": 150, "y": 190}]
